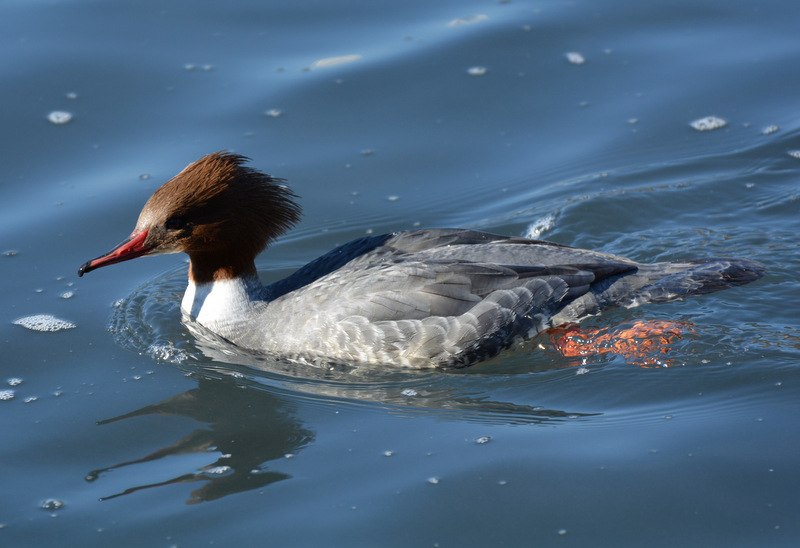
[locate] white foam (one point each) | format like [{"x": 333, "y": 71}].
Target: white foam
[
  {"x": 44, "y": 322},
  {"x": 540, "y": 226},
  {"x": 575, "y": 58},
  {"x": 59, "y": 117},
  {"x": 708, "y": 123}
]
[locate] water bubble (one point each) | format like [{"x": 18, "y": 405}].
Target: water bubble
[
  {"x": 273, "y": 112},
  {"x": 483, "y": 439},
  {"x": 409, "y": 392},
  {"x": 6, "y": 395},
  {"x": 166, "y": 352},
  {"x": 769, "y": 130},
  {"x": 13, "y": 381},
  {"x": 67, "y": 294},
  {"x": 433, "y": 480},
  {"x": 59, "y": 117},
  {"x": 794, "y": 154},
  {"x": 476, "y": 71},
  {"x": 52, "y": 504},
  {"x": 708, "y": 123},
  {"x": 44, "y": 322},
  {"x": 575, "y": 58}
]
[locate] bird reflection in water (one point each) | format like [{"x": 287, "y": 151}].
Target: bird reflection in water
[{"x": 247, "y": 428}]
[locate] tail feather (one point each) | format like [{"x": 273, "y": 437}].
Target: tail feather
[
  {"x": 698, "y": 278},
  {"x": 661, "y": 283}
]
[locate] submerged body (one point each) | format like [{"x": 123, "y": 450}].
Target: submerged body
[{"x": 439, "y": 297}]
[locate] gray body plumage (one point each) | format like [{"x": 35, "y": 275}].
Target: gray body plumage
[{"x": 453, "y": 297}]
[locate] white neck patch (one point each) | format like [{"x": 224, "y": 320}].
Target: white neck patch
[{"x": 220, "y": 306}]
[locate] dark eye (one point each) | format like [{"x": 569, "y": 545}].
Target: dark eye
[{"x": 175, "y": 223}]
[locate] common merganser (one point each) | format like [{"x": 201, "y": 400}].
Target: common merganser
[{"x": 421, "y": 298}]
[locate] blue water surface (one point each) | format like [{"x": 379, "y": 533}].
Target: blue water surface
[{"x": 566, "y": 120}]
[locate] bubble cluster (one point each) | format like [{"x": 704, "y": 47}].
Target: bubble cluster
[
  {"x": 708, "y": 123},
  {"x": 44, "y": 322},
  {"x": 575, "y": 58},
  {"x": 59, "y": 117}
]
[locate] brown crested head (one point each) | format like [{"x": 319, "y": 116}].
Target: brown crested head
[
  {"x": 218, "y": 211},
  {"x": 221, "y": 213}
]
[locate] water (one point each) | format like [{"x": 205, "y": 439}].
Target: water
[{"x": 127, "y": 431}]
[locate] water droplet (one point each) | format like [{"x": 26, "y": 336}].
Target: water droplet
[
  {"x": 273, "y": 112},
  {"x": 483, "y": 439},
  {"x": 476, "y": 71},
  {"x": 6, "y": 395},
  {"x": 769, "y": 130},
  {"x": 433, "y": 480}
]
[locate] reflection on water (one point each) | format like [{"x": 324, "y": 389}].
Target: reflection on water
[
  {"x": 246, "y": 429},
  {"x": 251, "y": 428}
]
